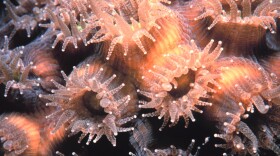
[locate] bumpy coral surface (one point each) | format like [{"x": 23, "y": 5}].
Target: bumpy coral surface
[{"x": 91, "y": 77}]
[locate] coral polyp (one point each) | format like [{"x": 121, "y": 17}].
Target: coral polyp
[
  {"x": 13, "y": 72},
  {"x": 263, "y": 14},
  {"x": 124, "y": 31},
  {"x": 249, "y": 86},
  {"x": 143, "y": 130},
  {"x": 105, "y": 20},
  {"x": 26, "y": 138},
  {"x": 24, "y": 22},
  {"x": 241, "y": 25},
  {"x": 94, "y": 102},
  {"x": 20, "y": 141},
  {"x": 161, "y": 79},
  {"x": 247, "y": 90},
  {"x": 101, "y": 72}
]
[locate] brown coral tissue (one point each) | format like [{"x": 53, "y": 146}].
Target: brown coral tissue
[{"x": 140, "y": 77}]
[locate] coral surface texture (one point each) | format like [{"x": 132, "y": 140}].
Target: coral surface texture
[{"x": 140, "y": 77}]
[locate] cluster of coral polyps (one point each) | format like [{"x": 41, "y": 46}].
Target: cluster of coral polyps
[{"x": 94, "y": 68}]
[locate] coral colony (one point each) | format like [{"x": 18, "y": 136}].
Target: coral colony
[{"x": 100, "y": 71}]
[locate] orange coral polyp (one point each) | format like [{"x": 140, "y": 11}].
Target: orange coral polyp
[
  {"x": 115, "y": 28},
  {"x": 25, "y": 138},
  {"x": 246, "y": 81},
  {"x": 231, "y": 75},
  {"x": 160, "y": 79},
  {"x": 260, "y": 17}
]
